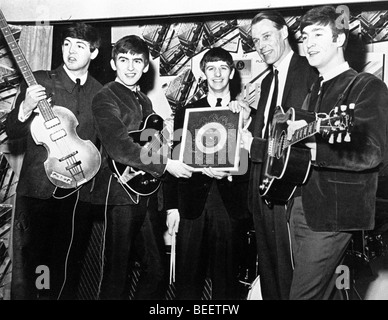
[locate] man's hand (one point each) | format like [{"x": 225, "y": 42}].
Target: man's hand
[
  {"x": 172, "y": 221},
  {"x": 34, "y": 94},
  {"x": 179, "y": 169},
  {"x": 246, "y": 139},
  {"x": 295, "y": 125},
  {"x": 217, "y": 174},
  {"x": 240, "y": 105}
]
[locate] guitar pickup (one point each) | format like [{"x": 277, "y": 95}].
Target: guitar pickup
[
  {"x": 73, "y": 165},
  {"x": 68, "y": 156},
  {"x": 52, "y": 123},
  {"x": 58, "y": 135}
]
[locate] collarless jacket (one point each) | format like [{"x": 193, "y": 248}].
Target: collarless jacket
[
  {"x": 340, "y": 193},
  {"x": 116, "y": 112},
  {"x": 33, "y": 181}
]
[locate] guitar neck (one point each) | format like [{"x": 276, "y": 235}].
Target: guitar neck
[
  {"x": 306, "y": 131},
  {"x": 24, "y": 67}
]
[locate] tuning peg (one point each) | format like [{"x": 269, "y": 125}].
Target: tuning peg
[
  {"x": 339, "y": 138},
  {"x": 331, "y": 139},
  {"x": 347, "y": 137},
  {"x": 352, "y": 106}
]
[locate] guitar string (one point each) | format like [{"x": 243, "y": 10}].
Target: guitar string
[
  {"x": 46, "y": 111},
  {"x": 71, "y": 161}
]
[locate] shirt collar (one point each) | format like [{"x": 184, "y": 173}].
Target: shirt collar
[
  {"x": 212, "y": 99},
  {"x": 284, "y": 64},
  {"x": 335, "y": 72},
  {"x": 73, "y": 78}
]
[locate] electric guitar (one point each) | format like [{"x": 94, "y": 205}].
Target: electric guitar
[
  {"x": 133, "y": 179},
  {"x": 285, "y": 167},
  {"x": 71, "y": 161}
]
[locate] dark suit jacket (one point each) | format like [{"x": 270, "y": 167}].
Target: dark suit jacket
[
  {"x": 340, "y": 194},
  {"x": 300, "y": 78},
  {"x": 33, "y": 181},
  {"x": 189, "y": 195}
]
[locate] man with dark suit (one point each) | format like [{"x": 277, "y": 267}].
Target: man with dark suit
[
  {"x": 211, "y": 204},
  {"x": 295, "y": 77},
  {"x": 340, "y": 194}
]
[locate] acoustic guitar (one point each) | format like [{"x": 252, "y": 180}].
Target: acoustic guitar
[
  {"x": 71, "y": 161},
  {"x": 286, "y": 166}
]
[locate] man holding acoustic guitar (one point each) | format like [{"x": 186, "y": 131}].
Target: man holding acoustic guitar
[
  {"x": 295, "y": 77},
  {"x": 53, "y": 198},
  {"x": 340, "y": 194}
]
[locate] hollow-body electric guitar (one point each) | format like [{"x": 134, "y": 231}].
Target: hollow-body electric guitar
[
  {"x": 287, "y": 166},
  {"x": 150, "y": 136},
  {"x": 71, "y": 161}
]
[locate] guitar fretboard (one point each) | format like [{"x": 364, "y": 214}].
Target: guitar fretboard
[
  {"x": 302, "y": 133},
  {"x": 21, "y": 61}
]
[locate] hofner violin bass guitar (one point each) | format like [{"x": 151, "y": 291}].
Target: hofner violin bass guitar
[
  {"x": 287, "y": 166},
  {"x": 133, "y": 179},
  {"x": 71, "y": 161}
]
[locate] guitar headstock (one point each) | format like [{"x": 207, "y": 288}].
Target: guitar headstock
[{"x": 338, "y": 124}]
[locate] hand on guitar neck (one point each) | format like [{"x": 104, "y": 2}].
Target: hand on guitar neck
[
  {"x": 295, "y": 125},
  {"x": 34, "y": 94}
]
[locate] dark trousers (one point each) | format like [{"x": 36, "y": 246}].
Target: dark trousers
[
  {"x": 129, "y": 231},
  {"x": 204, "y": 248},
  {"x": 274, "y": 252},
  {"x": 317, "y": 256},
  {"x": 52, "y": 233}
]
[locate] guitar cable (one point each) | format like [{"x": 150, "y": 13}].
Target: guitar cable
[
  {"x": 71, "y": 243},
  {"x": 103, "y": 240},
  {"x": 122, "y": 185},
  {"x": 290, "y": 241}
]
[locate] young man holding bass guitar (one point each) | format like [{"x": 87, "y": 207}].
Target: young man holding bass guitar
[{"x": 51, "y": 229}]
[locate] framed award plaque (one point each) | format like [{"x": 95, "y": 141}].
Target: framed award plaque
[{"x": 211, "y": 138}]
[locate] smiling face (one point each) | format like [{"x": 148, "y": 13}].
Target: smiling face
[
  {"x": 77, "y": 56},
  {"x": 129, "y": 68},
  {"x": 322, "y": 50},
  {"x": 218, "y": 74},
  {"x": 270, "y": 42}
]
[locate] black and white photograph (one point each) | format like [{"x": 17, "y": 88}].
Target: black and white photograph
[{"x": 194, "y": 102}]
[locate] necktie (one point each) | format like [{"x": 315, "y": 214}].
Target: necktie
[
  {"x": 273, "y": 101},
  {"x": 274, "y": 95},
  {"x": 218, "y": 104},
  {"x": 77, "y": 92},
  {"x": 319, "y": 94},
  {"x": 78, "y": 84}
]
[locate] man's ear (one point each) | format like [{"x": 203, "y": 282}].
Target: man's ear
[
  {"x": 94, "y": 54},
  {"x": 341, "y": 39},
  {"x": 146, "y": 68},
  {"x": 113, "y": 64},
  {"x": 232, "y": 73},
  {"x": 285, "y": 32}
]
